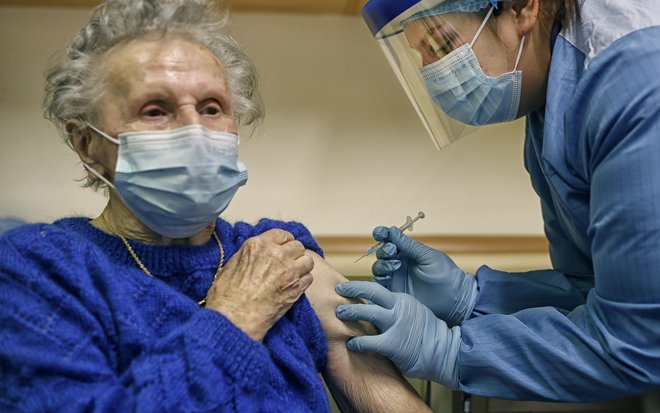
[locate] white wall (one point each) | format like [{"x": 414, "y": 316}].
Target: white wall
[{"x": 341, "y": 148}]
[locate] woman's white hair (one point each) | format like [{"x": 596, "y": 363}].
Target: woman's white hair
[{"x": 72, "y": 85}]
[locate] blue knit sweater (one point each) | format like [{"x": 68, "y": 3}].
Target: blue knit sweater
[{"x": 82, "y": 328}]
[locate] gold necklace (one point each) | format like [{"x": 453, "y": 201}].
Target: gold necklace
[{"x": 112, "y": 229}]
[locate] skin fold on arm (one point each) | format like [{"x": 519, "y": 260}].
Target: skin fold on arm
[{"x": 359, "y": 382}]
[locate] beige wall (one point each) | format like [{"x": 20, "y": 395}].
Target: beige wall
[{"x": 341, "y": 149}]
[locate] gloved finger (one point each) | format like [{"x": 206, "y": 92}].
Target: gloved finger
[
  {"x": 406, "y": 246},
  {"x": 385, "y": 281},
  {"x": 386, "y": 250},
  {"x": 371, "y": 313},
  {"x": 368, "y": 290},
  {"x": 385, "y": 267},
  {"x": 380, "y": 233},
  {"x": 373, "y": 344}
]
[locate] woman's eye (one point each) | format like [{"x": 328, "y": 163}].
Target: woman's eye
[
  {"x": 211, "y": 110},
  {"x": 154, "y": 112}
]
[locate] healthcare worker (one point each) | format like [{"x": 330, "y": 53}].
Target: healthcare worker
[{"x": 587, "y": 76}]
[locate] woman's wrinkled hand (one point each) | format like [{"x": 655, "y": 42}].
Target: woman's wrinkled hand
[{"x": 261, "y": 282}]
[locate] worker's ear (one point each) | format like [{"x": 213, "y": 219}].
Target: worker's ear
[
  {"x": 526, "y": 15},
  {"x": 86, "y": 145}
]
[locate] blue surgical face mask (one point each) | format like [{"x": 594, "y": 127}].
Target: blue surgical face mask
[
  {"x": 176, "y": 182},
  {"x": 458, "y": 85}
]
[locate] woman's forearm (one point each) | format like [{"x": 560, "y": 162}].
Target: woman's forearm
[{"x": 359, "y": 382}]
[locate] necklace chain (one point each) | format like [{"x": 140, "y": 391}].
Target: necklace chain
[{"x": 144, "y": 268}]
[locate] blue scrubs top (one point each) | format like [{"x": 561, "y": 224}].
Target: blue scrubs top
[{"x": 590, "y": 328}]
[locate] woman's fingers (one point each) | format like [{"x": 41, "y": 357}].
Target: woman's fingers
[
  {"x": 304, "y": 265},
  {"x": 261, "y": 282},
  {"x": 276, "y": 236}
]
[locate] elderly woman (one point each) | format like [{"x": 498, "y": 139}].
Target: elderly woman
[{"x": 156, "y": 304}]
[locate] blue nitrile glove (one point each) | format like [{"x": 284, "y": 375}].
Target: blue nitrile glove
[
  {"x": 407, "y": 266},
  {"x": 420, "y": 344}
]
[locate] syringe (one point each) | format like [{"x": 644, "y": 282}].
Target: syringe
[{"x": 408, "y": 225}]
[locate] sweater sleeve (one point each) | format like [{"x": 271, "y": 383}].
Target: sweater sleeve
[
  {"x": 298, "y": 230},
  {"x": 59, "y": 353}
]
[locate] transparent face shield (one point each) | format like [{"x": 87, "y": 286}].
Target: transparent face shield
[{"x": 417, "y": 39}]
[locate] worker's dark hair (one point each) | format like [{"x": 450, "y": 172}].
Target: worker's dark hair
[
  {"x": 557, "y": 11},
  {"x": 565, "y": 11}
]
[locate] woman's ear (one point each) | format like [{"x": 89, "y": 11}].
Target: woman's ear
[
  {"x": 79, "y": 137},
  {"x": 526, "y": 14},
  {"x": 82, "y": 141}
]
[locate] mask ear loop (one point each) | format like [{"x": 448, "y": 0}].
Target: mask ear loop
[
  {"x": 89, "y": 168},
  {"x": 483, "y": 24},
  {"x": 98, "y": 175},
  {"x": 481, "y": 28},
  {"x": 520, "y": 51},
  {"x": 103, "y": 134}
]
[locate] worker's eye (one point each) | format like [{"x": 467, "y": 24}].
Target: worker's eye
[{"x": 445, "y": 49}]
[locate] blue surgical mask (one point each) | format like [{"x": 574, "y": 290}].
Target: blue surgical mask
[
  {"x": 458, "y": 85},
  {"x": 176, "y": 182}
]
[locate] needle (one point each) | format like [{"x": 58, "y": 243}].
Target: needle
[{"x": 408, "y": 225}]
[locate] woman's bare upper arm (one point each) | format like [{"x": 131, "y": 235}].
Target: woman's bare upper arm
[{"x": 321, "y": 294}]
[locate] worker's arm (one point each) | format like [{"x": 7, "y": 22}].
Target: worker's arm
[
  {"x": 607, "y": 347},
  {"x": 358, "y": 382}
]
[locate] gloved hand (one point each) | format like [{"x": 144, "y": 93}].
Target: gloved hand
[
  {"x": 407, "y": 266},
  {"x": 420, "y": 344}
]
